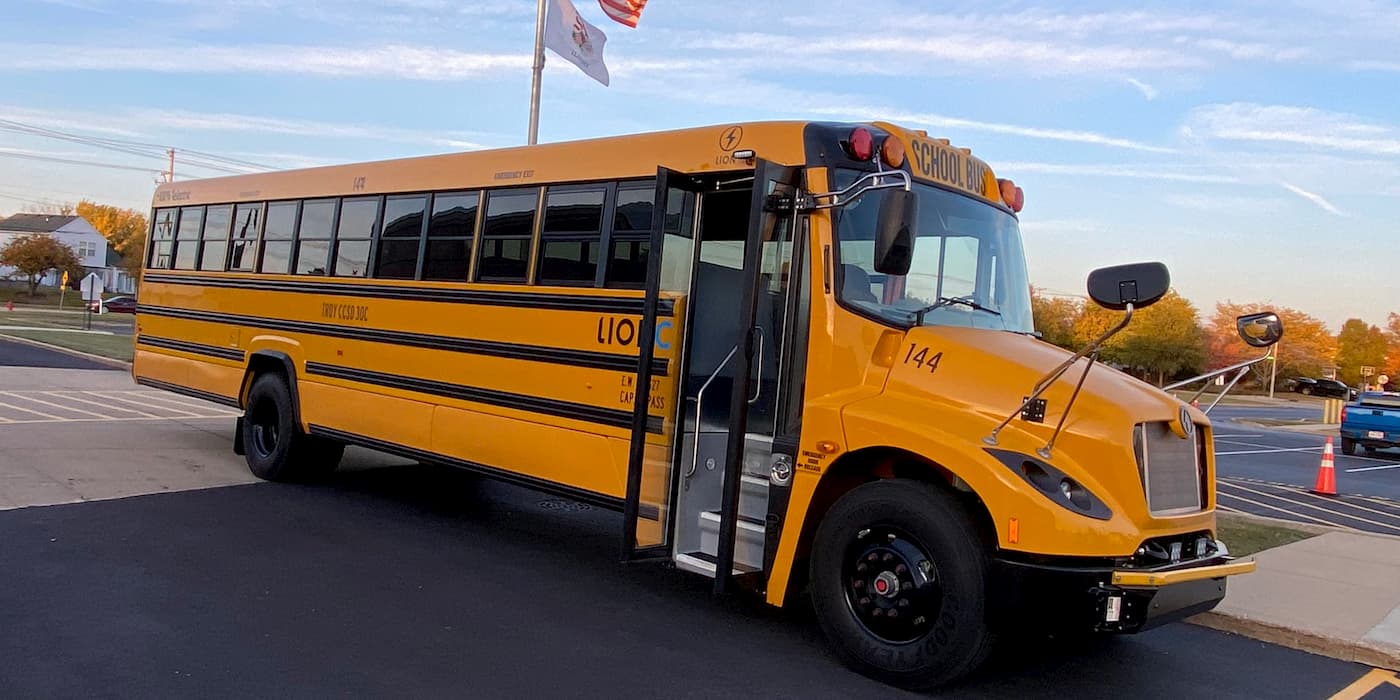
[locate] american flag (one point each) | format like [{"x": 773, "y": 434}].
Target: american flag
[{"x": 624, "y": 11}]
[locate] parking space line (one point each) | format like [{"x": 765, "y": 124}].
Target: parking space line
[
  {"x": 1377, "y": 468},
  {"x": 178, "y": 401},
  {"x": 30, "y": 410},
  {"x": 1269, "y": 451},
  {"x": 1341, "y": 514},
  {"x": 50, "y": 403},
  {"x": 108, "y": 395},
  {"x": 1283, "y": 510},
  {"x": 114, "y": 420},
  {"x": 60, "y": 394},
  {"x": 1363, "y": 686}
]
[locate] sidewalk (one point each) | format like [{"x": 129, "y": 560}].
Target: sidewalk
[{"x": 1337, "y": 594}]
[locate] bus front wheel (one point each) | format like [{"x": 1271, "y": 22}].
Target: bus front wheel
[
  {"x": 898, "y": 581},
  {"x": 273, "y": 443}
]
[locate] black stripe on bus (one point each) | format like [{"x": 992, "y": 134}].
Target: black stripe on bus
[
  {"x": 192, "y": 393},
  {"x": 646, "y": 510},
  {"x": 515, "y": 351},
  {"x": 193, "y": 348},
  {"x": 534, "y": 404},
  {"x": 483, "y": 297}
]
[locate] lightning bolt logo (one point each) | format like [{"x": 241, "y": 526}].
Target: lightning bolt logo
[{"x": 731, "y": 137}]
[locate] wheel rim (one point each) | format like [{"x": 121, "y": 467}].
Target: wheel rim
[
  {"x": 264, "y": 420},
  {"x": 891, "y": 584}
]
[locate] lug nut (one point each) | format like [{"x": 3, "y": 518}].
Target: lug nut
[{"x": 858, "y": 584}]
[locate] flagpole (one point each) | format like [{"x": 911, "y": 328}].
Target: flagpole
[{"x": 538, "y": 72}]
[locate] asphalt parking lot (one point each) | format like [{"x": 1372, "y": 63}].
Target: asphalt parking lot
[{"x": 139, "y": 559}]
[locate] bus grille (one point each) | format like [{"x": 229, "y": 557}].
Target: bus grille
[{"x": 1171, "y": 468}]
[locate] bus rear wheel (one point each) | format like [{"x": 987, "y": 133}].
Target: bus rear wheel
[
  {"x": 273, "y": 443},
  {"x": 898, "y": 580}
]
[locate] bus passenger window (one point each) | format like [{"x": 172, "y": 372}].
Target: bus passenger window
[
  {"x": 314, "y": 237},
  {"x": 214, "y": 244},
  {"x": 353, "y": 234},
  {"x": 162, "y": 239},
  {"x": 398, "y": 245},
  {"x": 631, "y": 237},
  {"x": 450, "y": 231},
  {"x": 279, "y": 226},
  {"x": 572, "y": 233},
  {"x": 506, "y": 235},
  {"x": 187, "y": 237}
]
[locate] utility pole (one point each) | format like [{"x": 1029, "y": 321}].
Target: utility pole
[
  {"x": 170, "y": 174},
  {"x": 1273, "y": 369}
]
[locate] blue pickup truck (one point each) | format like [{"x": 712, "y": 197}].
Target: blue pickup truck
[{"x": 1372, "y": 422}]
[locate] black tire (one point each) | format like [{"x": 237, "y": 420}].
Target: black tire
[
  {"x": 1348, "y": 446},
  {"x": 887, "y": 517},
  {"x": 273, "y": 443}
]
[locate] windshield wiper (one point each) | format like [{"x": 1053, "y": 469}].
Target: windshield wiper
[{"x": 945, "y": 301}]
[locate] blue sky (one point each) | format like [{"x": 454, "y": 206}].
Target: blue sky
[{"x": 1252, "y": 146}]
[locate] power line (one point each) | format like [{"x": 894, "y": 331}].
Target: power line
[
  {"x": 74, "y": 161},
  {"x": 202, "y": 159}
]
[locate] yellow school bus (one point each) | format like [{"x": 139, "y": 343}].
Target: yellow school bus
[{"x": 794, "y": 355}]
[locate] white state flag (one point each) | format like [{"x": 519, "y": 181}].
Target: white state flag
[{"x": 575, "y": 40}]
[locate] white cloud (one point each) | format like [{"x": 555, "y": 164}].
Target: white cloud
[
  {"x": 1312, "y": 197},
  {"x": 1303, "y": 126},
  {"x": 396, "y": 61},
  {"x": 1148, "y": 92},
  {"x": 1115, "y": 170}
]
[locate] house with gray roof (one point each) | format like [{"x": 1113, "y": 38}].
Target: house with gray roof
[{"x": 75, "y": 232}]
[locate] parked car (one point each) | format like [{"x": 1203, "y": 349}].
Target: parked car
[
  {"x": 117, "y": 305},
  {"x": 1309, "y": 386},
  {"x": 1372, "y": 422}
]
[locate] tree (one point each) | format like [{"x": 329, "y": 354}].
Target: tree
[
  {"x": 1164, "y": 339},
  {"x": 1359, "y": 344},
  {"x": 124, "y": 229},
  {"x": 1054, "y": 318},
  {"x": 1392, "y": 335},
  {"x": 35, "y": 255}
]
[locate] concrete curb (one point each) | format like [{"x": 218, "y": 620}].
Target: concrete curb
[
  {"x": 1355, "y": 651},
  {"x": 113, "y": 363}
]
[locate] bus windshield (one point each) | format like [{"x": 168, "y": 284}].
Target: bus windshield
[{"x": 968, "y": 266}]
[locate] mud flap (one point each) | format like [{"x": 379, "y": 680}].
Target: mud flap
[{"x": 238, "y": 436}]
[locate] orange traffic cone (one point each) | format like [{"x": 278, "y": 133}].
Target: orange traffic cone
[{"x": 1326, "y": 475}]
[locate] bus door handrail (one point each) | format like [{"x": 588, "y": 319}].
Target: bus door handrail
[{"x": 699, "y": 403}]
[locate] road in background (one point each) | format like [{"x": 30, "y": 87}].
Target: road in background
[
  {"x": 1269, "y": 471},
  {"x": 15, "y": 354}
]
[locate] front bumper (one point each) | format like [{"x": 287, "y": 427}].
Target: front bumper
[{"x": 1106, "y": 599}]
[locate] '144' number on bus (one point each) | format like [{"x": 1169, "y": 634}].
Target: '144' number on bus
[{"x": 921, "y": 358}]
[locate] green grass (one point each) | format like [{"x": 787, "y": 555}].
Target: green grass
[
  {"x": 117, "y": 347},
  {"x": 1246, "y": 536},
  {"x": 69, "y": 318}
]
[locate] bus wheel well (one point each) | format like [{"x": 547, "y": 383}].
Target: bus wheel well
[
  {"x": 266, "y": 362},
  {"x": 872, "y": 464}
]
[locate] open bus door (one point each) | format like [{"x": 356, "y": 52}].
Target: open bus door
[{"x": 724, "y": 250}]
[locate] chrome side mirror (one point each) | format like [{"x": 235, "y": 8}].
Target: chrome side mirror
[{"x": 1260, "y": 330}]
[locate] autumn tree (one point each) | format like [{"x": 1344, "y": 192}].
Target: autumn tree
[
  {"x": 124, "y": 229},
  {"x": 1164, "y": 339},
  {"x": 1054, "y": 318},
  {"x": 1307, "y": 348},
  {"x": 1359, "y": 344},
  {"x": 35, "y": 255},
  {"x": 1392, "y": 336}
]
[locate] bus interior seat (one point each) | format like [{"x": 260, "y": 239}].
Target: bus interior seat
[
  {"x": 722, "y": 293},
  {"x": 855, "y": 284}
]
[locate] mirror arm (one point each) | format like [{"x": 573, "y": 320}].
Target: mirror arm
[
  {"x": 809, "y": 202},
  {"x": 1240, "y": 368},
  {"x": 1055, "y": 374}
]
